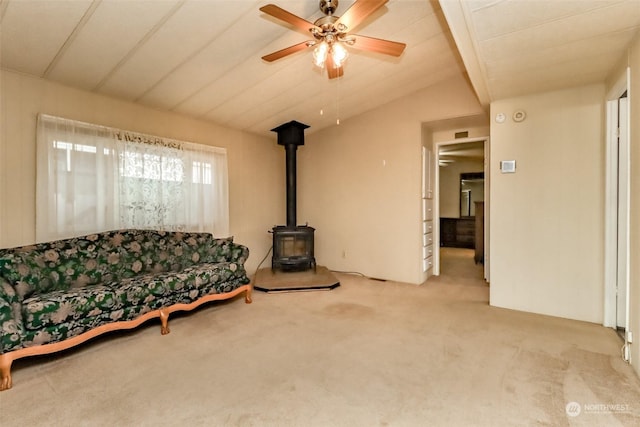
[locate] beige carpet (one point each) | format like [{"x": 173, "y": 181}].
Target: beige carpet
[
  {"x": 368, "y": 353},
  {"x": 278, "y": 281}
]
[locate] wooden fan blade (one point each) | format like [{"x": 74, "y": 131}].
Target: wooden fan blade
[
  {"x": 373, "y": 44},
  {"x": 286, "y": 51},
  {"x": 332, "y": 71},
  {"x": 288, "y": 17},
  {"x": 358, "y": 12}
]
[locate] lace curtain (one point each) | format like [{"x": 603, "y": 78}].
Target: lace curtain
[{"x": 93, "y": 178}]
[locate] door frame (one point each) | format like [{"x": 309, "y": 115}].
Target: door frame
[
  {"x": 612, "y": 234},
  {"x": 436, "y": 201}
]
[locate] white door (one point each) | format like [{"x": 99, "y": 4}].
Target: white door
[
  {"x": 617, "y": 205},
  {"x": 622, "y": 270},
  {"x": 487, "y": 210}
]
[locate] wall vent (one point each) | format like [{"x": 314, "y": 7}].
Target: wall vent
[{"x": 464, "y": 134}]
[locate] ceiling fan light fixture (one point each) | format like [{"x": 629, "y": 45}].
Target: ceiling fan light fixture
[
  {"x": 320, "y": 54},
  {"x": 339, "y": 54},
  {"x": 330, "y": 34}
]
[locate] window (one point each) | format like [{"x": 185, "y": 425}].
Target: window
[{"x": 93, "y": 178}]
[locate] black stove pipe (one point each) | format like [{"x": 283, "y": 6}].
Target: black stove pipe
[
  {"x": 290, "y": 135},
  {"x": 292, "y": 180}
]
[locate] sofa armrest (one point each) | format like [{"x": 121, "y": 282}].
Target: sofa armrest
[
  {"x": 226, "y": 250},
  {"x": 11, "y": 326},
  {"x": 239, "y": 253}
]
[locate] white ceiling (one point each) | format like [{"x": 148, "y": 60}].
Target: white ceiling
[
  {"x": 518, "y": 47},
  {"x": 203, "y": 57}
]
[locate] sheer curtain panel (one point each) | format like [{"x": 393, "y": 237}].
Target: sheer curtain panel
[
  {"x": 93, "y": 178},
  {"x": 76, "y": 179}
]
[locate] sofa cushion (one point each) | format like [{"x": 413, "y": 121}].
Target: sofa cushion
[
  {"x": 73, "y": 327},
  {"x": 199, "y": 280},
  {"x": 44, "y": 310}
]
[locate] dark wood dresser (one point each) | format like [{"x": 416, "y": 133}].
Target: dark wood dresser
[{"x": 457, "y": 232}]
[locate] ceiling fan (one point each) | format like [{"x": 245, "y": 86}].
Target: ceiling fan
[{"x": 331, "y": 34}]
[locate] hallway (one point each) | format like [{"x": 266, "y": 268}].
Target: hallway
[{"x": 457, "y": 266}]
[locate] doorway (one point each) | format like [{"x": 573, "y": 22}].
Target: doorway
[
  {"x": 617, "y": 213},
  {"x": 450, "y": 209}
]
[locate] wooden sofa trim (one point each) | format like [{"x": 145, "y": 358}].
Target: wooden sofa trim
[{"x": 6, "y": 359}]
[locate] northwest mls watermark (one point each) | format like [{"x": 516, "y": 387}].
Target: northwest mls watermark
[{"x": 574, "y": 409}]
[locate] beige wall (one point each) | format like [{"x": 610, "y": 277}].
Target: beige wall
[
  {"x": 360, "y": 183},
  {"x": 256, "y": 164},
  {"x": 547, "y": 219}
]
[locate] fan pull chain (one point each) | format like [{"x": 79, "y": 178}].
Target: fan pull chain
[
  {"x": 324, "y": 102},
  {"x": 338, "y": 101}
]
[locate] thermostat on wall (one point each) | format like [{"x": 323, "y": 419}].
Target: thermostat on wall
[{"x": 508, "y": 166}]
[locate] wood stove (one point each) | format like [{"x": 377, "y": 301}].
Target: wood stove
[
  {"x": 293, "y": 248},
  {"x": 292, "y": 243}
]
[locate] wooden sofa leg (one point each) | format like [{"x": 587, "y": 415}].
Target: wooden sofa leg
[
  {"x": 5, "y": 372},
  {"x": 164, "y": 319},
  {"x": 247, "y": 296}
]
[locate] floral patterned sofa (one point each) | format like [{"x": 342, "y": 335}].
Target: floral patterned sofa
[{"x": 57, "y": 295}]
